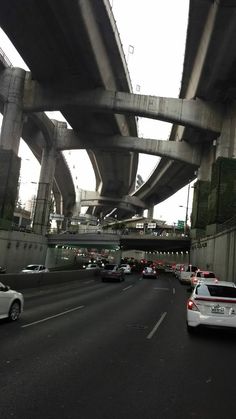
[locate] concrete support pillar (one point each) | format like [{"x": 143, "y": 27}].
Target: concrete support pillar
[
  {"x": 150, "y": 212},
  {"x": 9, "y": 142},
  {"x": 43, "y": 200}
]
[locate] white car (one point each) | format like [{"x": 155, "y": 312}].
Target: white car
[
  {"x": 186, "y": 273},
  {"x": 212, "y": 304},
  {"x": 11, "y": 303},
  {"x": 202, "y": 276},
  {"x": 92, "y": 266},
  {"x": 34, "y": 269},
  {"x": 126, "y": 268}
]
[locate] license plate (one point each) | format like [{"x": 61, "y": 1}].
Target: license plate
[{"x": 218, "y": 310}]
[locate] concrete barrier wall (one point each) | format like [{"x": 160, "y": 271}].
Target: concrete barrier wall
[
  {"x": 216, "y": 253},
  {"x": 18, "y": 249},
  {"x": 23, "y": 281}
]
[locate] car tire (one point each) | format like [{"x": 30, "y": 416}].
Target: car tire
[
  {"x": 14, "y": 312},
  {"x": 191, "y": 330}
]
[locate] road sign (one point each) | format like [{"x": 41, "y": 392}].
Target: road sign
[
  {"x": 57, "y": 217},
  {"x": 180, "y": 224}
]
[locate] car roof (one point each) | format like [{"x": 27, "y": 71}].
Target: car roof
[{"x": 33, "y": 264}]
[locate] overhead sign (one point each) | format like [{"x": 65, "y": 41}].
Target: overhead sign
[
  {"x": 58, "y": 217},
  {"x": 152, "y": 225},
  {"x": 139, "y": 225},
  {"x": 180, "y": 224}
]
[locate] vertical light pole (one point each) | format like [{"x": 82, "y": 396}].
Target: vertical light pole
[
  {"x": 186, "y": 213},
  {"x": 186, "y": 216}
]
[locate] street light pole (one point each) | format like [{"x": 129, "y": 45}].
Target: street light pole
[{"x": 186, "y": 215}]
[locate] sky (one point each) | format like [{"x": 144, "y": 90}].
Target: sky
[{"x": 153, "y": 34}]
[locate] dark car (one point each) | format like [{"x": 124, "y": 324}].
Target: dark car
[{"x": 112, "y": 272}]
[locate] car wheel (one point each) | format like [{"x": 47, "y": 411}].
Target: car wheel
[
  {"x": 191, "y": 330},
  {"x": 14, "y": 312}
]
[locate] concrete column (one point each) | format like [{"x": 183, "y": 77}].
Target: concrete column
[
  {"x": 9, "y": 142},
  {"x": 226, "y": 144},
  {"x": 43, "y": 200},
  {"x": 150, "y": 212},
  {"x": 12, "y": 112}
]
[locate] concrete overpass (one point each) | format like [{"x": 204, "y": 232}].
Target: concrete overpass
[
  {"x": 125, "y": 242},
  {"x": 76, "y": 45}
]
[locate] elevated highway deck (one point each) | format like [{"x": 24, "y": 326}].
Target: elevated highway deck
[{"x": 76, "y": 45}]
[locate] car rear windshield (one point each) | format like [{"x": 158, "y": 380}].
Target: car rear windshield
[
  {"x": 216, "y": 291},
  {"x": 191, "y": 268},
  {"x": 109, "y": 267},
  {"x": 209, "y": 275}
]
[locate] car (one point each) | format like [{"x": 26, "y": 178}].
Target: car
[
  {"x": 34, "y": 269},
  {"x": 149, "y": 272},
  {"x": 112, "y": 272},
  {"x": 11, "y": 303},
  {"x": 178, "y": 268},
  {"x": 202, "y": 276},
  {"x": 126, "y": 268},
  {"x": 186, "y": 273},
  {"x": 92, "y": 266},
  {"x": 168, "y": 268},
  {"x": 212, "y": 304}
]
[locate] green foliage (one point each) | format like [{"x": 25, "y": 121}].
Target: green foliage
[
  {"x": 222, "y": 197},
  {"x": 199, "y": 216}
]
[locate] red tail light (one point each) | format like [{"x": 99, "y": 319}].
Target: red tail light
[{"x": 191, "y": 306}]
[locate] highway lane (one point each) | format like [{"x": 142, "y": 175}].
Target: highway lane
[{"x": 113, "y": 350}]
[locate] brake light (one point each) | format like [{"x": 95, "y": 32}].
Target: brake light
[{"x": 191, "y": 306}]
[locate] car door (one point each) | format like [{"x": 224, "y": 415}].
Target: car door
[{"x": 4, "y": 301}]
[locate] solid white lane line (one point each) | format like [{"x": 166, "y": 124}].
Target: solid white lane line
[
  {"x": 130, "y": 286},
  {"x": 52, "y": 317},
  {"x": 162, "y": 289},
  {"x": 150, "y": 335}
]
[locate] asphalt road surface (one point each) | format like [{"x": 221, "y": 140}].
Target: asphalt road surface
[{"x": 93, "y": 350}]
